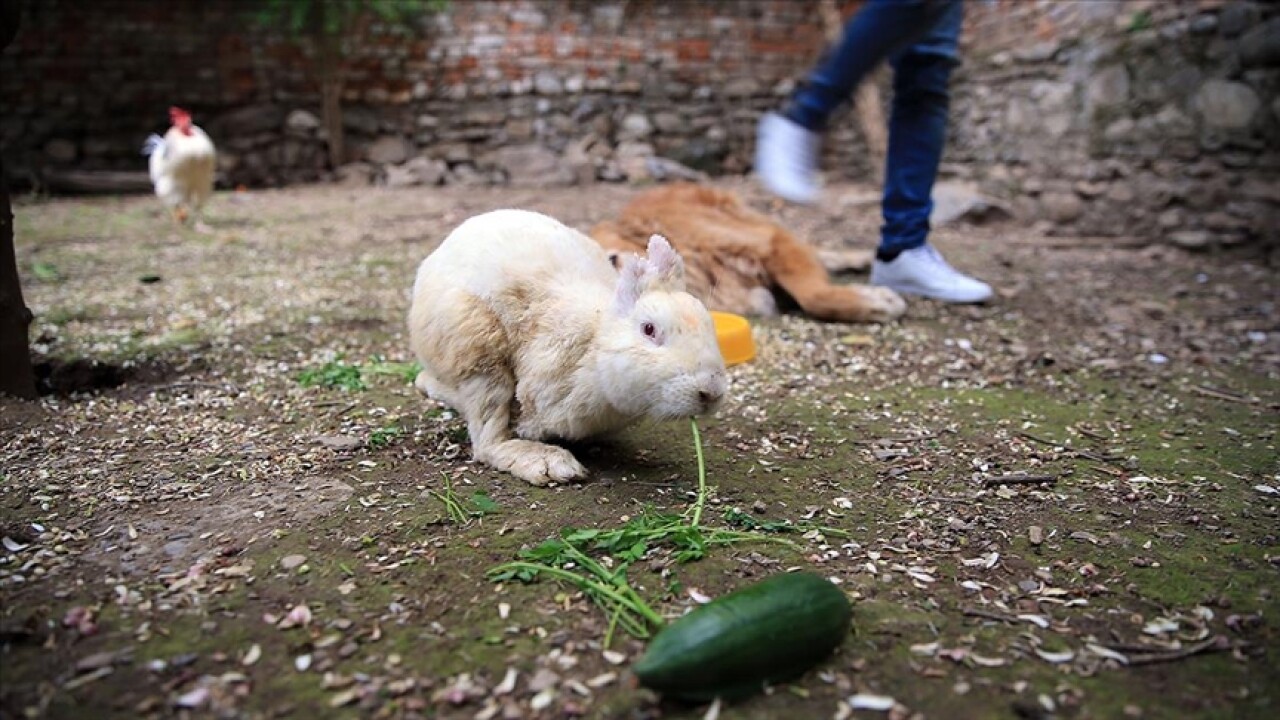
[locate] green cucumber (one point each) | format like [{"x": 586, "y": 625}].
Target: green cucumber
[{"x": 770, "y": 631}]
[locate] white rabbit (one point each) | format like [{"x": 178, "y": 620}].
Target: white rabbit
[{"x": 525, "y": 328}]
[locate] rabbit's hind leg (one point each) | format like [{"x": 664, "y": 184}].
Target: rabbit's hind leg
[
  {"x": 487, "y": 408},
  {"x": 428, "y": 385}
]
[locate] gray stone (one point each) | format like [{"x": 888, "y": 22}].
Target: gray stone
[
  {"x": 632, "y": 160},
  {"x": 1219, "y": 220},
  {"x": 1144, "y": 41},
  {"x": 357, "y": 174},
  {"x": 610, "y": 171},
  {"x": 1204, "y": 195},
  {"x": 742, "y": 88},
  {"x": 1212, "y": 140},
  {"x": 1109, "y": 87},
  {"x": 574, "y": 84},
  {"x": 1120, "y": 194},
  {"x": 546, "y": 82},
  {"x": 360, "y": 120},
  {"x": 561, "y": 123},
  {"x": 665, "y": 170},
  {"x": 1261, "y": 45},
  {"x": 1174, "y": 30},
  {"x": 1184, "y": 81},
  {"x": 1183, "y": 149},
  {"x": 1121, "y": 129},
  {"x": 291, "y": 151},
  {"x": 453, "y": 153},
  {"x": 1053, "y": 95},
  {"x": 530, "y": 165},
  {"x": 1062, "y": 207},
  {"x": 519, "y": 129},
  {"x": 426, "y": 170},
  {"x": 700, "y": 153},
  {"x": 1237, "y": 17},
  {"x": 485, "y": 116},
  {"x": 1259, "y": 189},
  {"x": 668, "y": 122},
  {"x": 1226, "y": 105},
  {"x": 389, "y": 150},
  {"x": 1019, "y": 114},
  {"x": 427, "y": 122},
  {"x": 1204, "y": 24},
  {"x": 521, "y": 86},
  {"x": 60, "y": 151},
  {"x": 301, "y": 121},
  {"x": 1191, "y": 239},
  {"x": 607, "y": 17},
  {"x": 1202, "y": 169},
  {"x": 635, "y": 126},
  {"x": 956, "y": 200},
  {"x": 529, "y": 16},
  {"x": 252, "y": 120},
  {"x": 1173, "y": 122},
  {"x": 1169, "y": 219},
  {"x": 1039, "y": 52},
  {"x": 1088, "y": 189},
  {"x": 467, "y": 175},
  {"x": 397, "y": 176}
]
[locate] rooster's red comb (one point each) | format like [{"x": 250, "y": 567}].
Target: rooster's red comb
[{"x": 176, "y": 111}]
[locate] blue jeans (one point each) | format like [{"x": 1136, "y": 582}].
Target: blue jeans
[{"x": 919, "y": 39}]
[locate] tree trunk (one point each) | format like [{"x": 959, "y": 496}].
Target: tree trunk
[
  {"x": 331, "y": 116},
  {"x": 330, "y": 66},
  {"x": 16, "y": 374}
]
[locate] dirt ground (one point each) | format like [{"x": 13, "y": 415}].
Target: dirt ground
[{"x": 230, "y": 502}]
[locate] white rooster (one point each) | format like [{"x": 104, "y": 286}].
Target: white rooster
[{"x": 182, "y": 165}]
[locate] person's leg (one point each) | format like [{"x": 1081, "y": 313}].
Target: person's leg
[
  {"x": 917, "y": 135},
  {"x": 787, "y": 143},
  {"x": 874, "y": 34},
  {"x": 918, "y": 131}
]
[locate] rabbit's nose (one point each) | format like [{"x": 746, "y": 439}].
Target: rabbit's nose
[{"x": 710, "y": 396}]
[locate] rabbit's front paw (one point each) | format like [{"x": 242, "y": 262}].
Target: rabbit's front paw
[{"x": 541, "y": 464}]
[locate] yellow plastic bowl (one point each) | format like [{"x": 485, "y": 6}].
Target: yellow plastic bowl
[{"x": 734, "y": 334}]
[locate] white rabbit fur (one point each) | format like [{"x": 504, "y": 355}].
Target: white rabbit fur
[{"x": 524, "y": 326}]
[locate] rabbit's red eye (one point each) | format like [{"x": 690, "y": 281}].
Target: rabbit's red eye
[{"x": 649, "y": 329}]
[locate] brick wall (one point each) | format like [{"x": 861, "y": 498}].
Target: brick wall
[{"x": 95, "y": 78}]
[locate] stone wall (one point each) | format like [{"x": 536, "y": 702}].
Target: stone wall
[
  {"x": 1156, "y": 119},
  {"x": 1139, "y": 117}
]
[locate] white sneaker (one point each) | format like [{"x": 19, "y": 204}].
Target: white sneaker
[
  {"x": 787, "y": 159},
  {"x": 922, "y": 271}
]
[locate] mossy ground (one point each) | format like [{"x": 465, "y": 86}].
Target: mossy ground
[{"x": 1144, "y": 382}]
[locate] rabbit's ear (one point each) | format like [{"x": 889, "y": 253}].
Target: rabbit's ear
[
  {"x": 663, "y": 265},
  {"x": 631, "y": 281}
]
